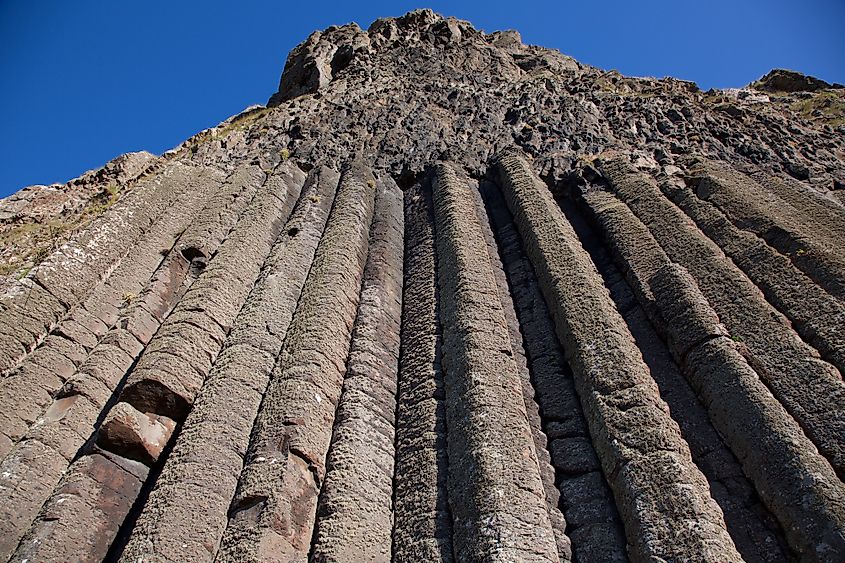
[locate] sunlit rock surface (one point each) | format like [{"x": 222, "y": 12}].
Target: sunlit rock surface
[{"x": 448, "y": 297}]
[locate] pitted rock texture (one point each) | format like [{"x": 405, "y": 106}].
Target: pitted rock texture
[
  {"x": 38, "y": 219},
  {"x": 447, "y": 297}
]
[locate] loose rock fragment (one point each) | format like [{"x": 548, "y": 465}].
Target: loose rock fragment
[{"x": 135, "y": 435}]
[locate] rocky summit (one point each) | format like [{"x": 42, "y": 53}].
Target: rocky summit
[{"x": 447, "y": 297}]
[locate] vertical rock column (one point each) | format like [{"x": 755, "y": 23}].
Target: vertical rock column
[
  {"x": 355, "y": 510},
  {"x": 158, "y": 392},
  {"x": 28, "y": 390},
  {"x": 422, "y": 528},
  {"x": 809, "y": 235},
  {"x": 663, "y": 498},
  {"x": 272, "y": 514},
  {"x": 31, "y": 308},
  {"x": 592, "y": 521},
  {"x": 201, "y": 474},
  {"x": 810, "y": 389},
  {"x": 529, "y": 394},
  {"x": 495, "y": 491},
  {"x": 816, "y": 315},
  {"x": 751, "y": 421},
  {"x": 177, "y": 361},
  {"x": 801, "y": 488},
  {"x": 753, "y": 528},
  {"x": 35, "y": 465}
]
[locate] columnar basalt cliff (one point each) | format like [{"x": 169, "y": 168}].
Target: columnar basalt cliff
[{"x": 447, "y": 297}]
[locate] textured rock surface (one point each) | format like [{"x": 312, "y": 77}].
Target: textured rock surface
[
  {"x": 496, "y": 495},
  {"x": 355, "y": 511},
  {"x": 273, "y": 510},
  {"x": 38, "y": 219},
  {"x": 447, "y": 297}
]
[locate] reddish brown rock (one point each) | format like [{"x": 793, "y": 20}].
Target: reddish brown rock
[{"x": 135, "y": 435}]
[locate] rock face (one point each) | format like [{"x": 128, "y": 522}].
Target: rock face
[
  {"x": 38, "y": 219},
  {"x": 448, "y": 297},
  {"x": 782, "y": 80}
]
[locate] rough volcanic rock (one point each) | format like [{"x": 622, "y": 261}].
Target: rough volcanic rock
[
  {"x": 782, "y": 80},
  {"x": 137, "y": 435},
  {"x": 38, "y": 219},
  {"x": 447, "y": 297}
]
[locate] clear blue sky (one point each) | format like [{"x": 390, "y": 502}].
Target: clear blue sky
[{"x": 84, "y": 81}]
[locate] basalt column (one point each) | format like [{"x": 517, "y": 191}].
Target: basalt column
[
  {"x": 523, "y": 367},
  {"x": 592, "y": 521},
  {"x": 808, "y": 233},
  {"x": 752, "y": 423},
  {"x": 76, "y": 268},
  {"x": 810, "y": 389},
  {"x": 422, "y": 522},
  {"x": 752, "y": 527},
  {"x": 355, "y": 511},
  {"x": 273, "y": 511},
  {"x": 816, "y": 315},
  {"x": 60, "y": 433},
  {"x": 94, "y": 497},
  {"x": 445, "y": 297},
  {"x": 199, "y": 479},
  {"x": 28, "y": 390},
  {"x": 496, "y": 494},
  {"x": 663, "y": 498},
  {"x": 756, "y": 425}
]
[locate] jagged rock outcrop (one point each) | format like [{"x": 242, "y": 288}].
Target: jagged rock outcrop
[
  {"x": 447, "y": 297},
  {"x": 782, "y": 80}
]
